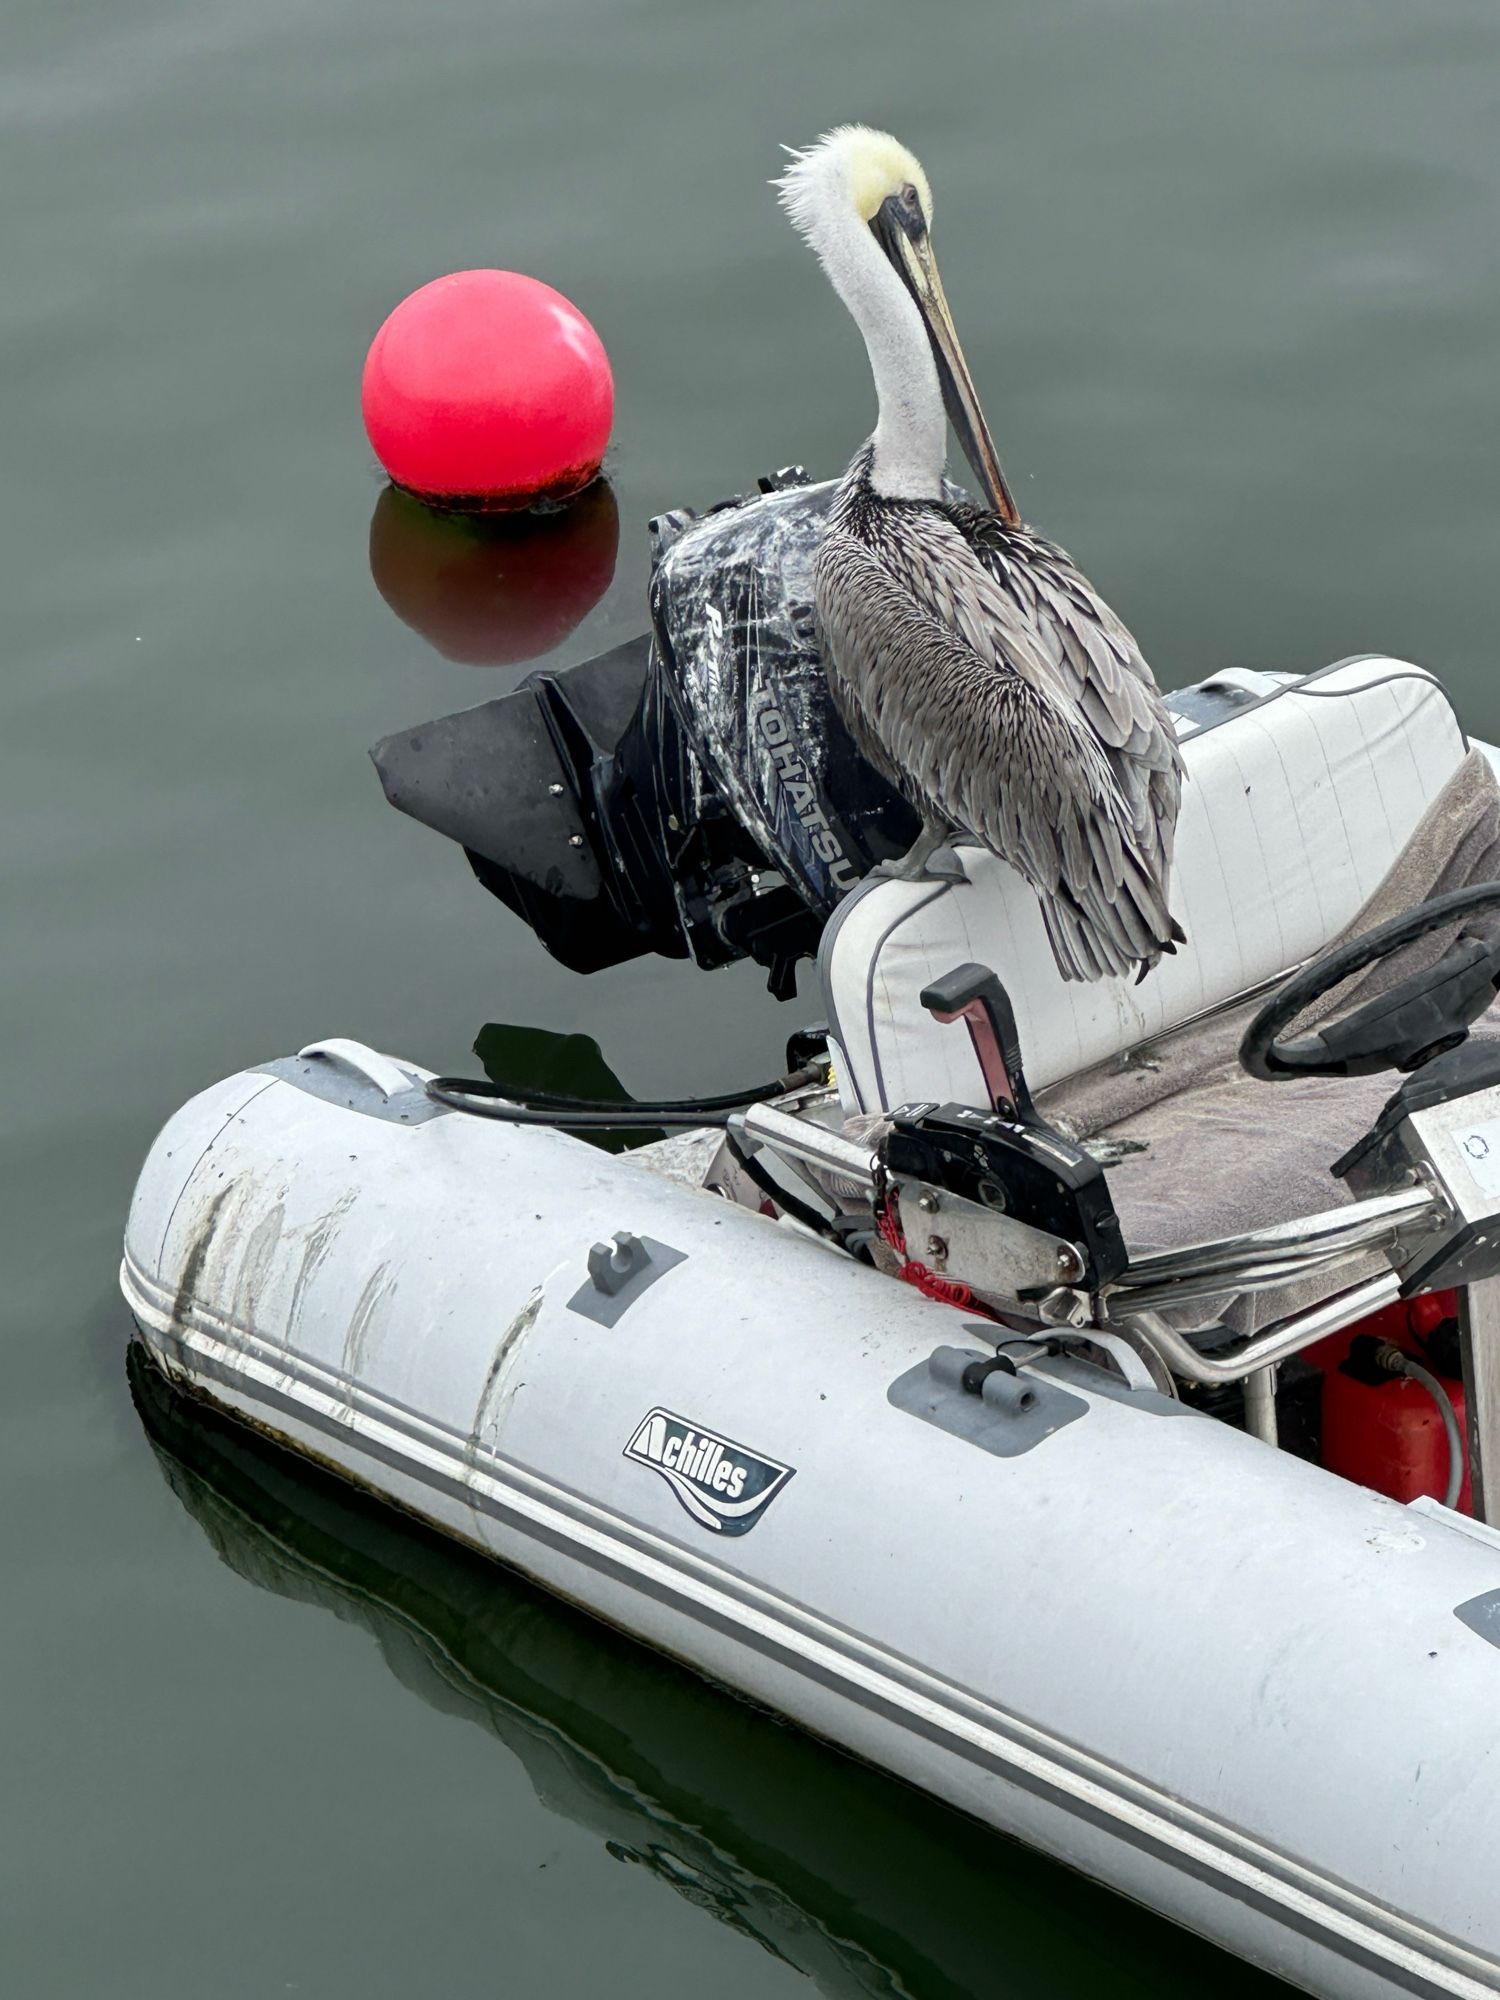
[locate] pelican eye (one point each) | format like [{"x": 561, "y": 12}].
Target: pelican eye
[
  {"x": 908, "y": 207},
  {"x": 899, "y": 215}
]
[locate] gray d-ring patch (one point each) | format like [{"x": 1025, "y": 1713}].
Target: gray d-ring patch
[
  {"x": 1028, "y": 1410},
  {"x": 607, "y": 1307}
]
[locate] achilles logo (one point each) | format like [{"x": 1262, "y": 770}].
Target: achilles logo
[{"x": 724, "y": 1487}]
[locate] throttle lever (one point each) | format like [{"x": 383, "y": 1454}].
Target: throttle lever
[{"x": 973, "y": 994}]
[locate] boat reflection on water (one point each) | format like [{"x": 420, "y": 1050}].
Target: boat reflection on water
[
  {"x": 863, "y": 1885},
  {"x": 494, "y": 590}
]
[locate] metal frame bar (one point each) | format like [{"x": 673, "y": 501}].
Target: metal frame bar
[
  {"x": 1260, "y": 1404},
  {"x": 1261, "y": 1350},
  {"x": 1233, "y": 1283},
  {"x": 801, "y": 1139},
  {"x": 1310, "y": 1239}
]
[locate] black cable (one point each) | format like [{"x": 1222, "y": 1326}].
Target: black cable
[
  {"x": 661, "y": 1109},
  {"x": 486, "y": 1100},
  {"x": 792, "y": 1204},
  {"x": 464, "y": 1094},
  {"x": 561, "y": 1100}
]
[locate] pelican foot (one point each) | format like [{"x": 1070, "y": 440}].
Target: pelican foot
[{"x": 939, "y": 863}]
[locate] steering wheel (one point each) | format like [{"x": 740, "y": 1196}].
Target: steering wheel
[{"x": 1401, "y": 1028}]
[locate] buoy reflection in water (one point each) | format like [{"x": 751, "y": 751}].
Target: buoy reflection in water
[
  {"x": 494, "y": 590},
  {"x": 865, "y": 1886}
]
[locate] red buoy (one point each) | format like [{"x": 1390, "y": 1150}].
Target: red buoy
[{"x": 486, "y": 391}]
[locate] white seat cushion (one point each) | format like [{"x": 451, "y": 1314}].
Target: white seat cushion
[{"x": 1296, "y": 806}]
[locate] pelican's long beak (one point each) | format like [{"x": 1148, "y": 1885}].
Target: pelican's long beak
[{"x": 911, "y": 253}]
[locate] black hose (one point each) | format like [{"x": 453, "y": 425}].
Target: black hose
[
  {"x": 663, "y": 1111},
  {"x": 486, "y": 1100},
  {"x": 462, "y": 1093},
  {"x": 791, "y": 1204}
]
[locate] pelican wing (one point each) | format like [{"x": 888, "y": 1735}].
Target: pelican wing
[
  {"x": 1093, "y": 655},
  {"x": 956, "y": 693}
]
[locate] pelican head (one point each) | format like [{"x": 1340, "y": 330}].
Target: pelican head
[{"x": 864, "y": 204}]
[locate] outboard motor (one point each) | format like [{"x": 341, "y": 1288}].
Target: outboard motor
[{"x": 692, "y": 793}]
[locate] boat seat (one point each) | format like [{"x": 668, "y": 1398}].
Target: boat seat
[
  {"x": 1296, "y": 806},
  {"x": 1302, "y": 798}
]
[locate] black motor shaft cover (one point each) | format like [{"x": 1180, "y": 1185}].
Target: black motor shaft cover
[{"x": 1028, "y": 1172}]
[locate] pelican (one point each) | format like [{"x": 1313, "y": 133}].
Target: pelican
[{"x": 975, "y": 666}]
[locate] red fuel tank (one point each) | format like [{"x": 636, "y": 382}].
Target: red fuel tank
[{"x": 1384, "y": 1431}]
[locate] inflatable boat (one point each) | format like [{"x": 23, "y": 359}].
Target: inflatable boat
[{"x": 1082, "y": 1402}]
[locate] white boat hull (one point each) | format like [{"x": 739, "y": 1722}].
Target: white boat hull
[{"x": 1218, "y": 1679}]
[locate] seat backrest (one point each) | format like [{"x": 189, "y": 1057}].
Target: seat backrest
[{"x": 1296, "y": 806}]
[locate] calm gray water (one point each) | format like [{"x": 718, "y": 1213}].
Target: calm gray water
[{"x": 1228, "y": 282}]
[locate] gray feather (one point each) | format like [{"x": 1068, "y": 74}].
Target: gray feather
[{"x": 982, "y": 674}]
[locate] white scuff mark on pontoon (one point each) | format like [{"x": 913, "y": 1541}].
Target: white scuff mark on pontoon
[{"x": 1395, "y": 1541}]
